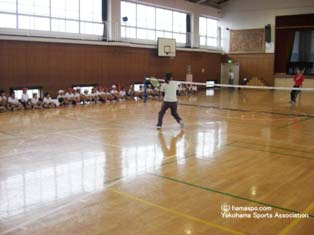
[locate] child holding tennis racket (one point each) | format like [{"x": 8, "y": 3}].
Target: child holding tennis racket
[{"x": 298, "y": 81}]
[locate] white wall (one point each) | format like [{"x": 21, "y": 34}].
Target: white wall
[
  {"x": 195, "y": 10},
  {"x": 249, "y": 14}
]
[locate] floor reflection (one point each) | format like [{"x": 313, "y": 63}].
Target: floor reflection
[
  {"x": 139, "y": 159},
  {"x": 30, "y": 189},
  {"x": 209, "y": 141}
]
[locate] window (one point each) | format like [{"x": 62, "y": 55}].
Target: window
[
  {"x": 8, "y": 6},
  {"x": 64, "y": 16},
  {"x": 209, "y": 32},
  {"x": 91, "y": 10},
  {"x": 68, "y": 9},
  {"x": 7, "y": 21},
  {"x": 83, "y": 88},
  {"x": 34, "y": 23},
  {"x": 149, "y": 23},
  {"x": 30, "y": 92},
  {"x": 34, "y": 7}
]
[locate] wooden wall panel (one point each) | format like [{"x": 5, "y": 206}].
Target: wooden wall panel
[
  {"x": 55, "y": 65},
  {"x": 247, "y": 41},
  {"x": 255, "y": 65}
]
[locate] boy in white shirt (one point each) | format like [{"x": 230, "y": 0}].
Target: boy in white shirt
[
  {"x": 69, "y": 96},
  {"x": 85, "y": 97},
  {"x": 48, "y": 103},
  {"x": 36, "y": 104},
  {"x": 25, "y": 99},
  {"x": 3, "y": 102},
  {"x": 61, "y": 98},
  {"x": 122, "y": 93},
  {"x": 76, "y": 96},
  {"x": 115, "y": 93},
  {"x": 13, "y": 103}
]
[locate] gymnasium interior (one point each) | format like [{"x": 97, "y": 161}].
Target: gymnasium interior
[{"x": 81, "y": 154}]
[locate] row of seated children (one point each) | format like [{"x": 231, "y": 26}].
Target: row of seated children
[
  {"x": 74, "y": 97},
  {"x": 187, "y": 89},
  {"x": 11, "y": 103},
  {"x": 152, "y": 92},
  {"x": 97, "y": 95}
]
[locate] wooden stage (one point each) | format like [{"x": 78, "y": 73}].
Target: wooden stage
[{"x": 104, "y": 169}]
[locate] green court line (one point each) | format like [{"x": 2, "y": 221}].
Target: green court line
[
  {"x": 283, "y": 154},
  {"x": 272, "y": 146},
  {"x": 293, "y": 123},
  {"x": 227, "y": 194}
]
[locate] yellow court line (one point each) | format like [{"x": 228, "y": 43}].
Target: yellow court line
[
  {"x": 177, "y": 213},
  {"x": 290, "y": 226}
]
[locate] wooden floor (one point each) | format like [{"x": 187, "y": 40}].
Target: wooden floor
[{"x": 104, "y": 169}]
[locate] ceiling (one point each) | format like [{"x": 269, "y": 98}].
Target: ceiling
[{"x": 212, "y": 3}]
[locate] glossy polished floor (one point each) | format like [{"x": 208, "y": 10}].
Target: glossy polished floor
[{"x": 104, "y": 169}]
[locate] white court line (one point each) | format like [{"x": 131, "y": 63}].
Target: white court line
[{"x": 22, "y": 225}]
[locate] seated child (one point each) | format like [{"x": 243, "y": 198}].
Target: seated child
[
  {"x": 13, "y": 103},
  {"x": 101, "y": 94},
  {"x": 151, "y": 92},
  {"x": 69, "y": 96},
  {"x": 94, "y": 95},
  {"x": 25, "y": 99},
  {"x": 3, "y": 102},
  {"x": 76, "y": 96},
  {"x": 61, "y": 98},
  {"x": 123, "y": 93},
  {"x": 157, "y": 92},
  {"x": 85, "y": 97},
  {"x": 194, "y": 89},
  {"x": 115, "y": 93},
  {"x": 108, "y": 94},
  {"x": 35, "y": 102},
  {"x": 48, "y": 103}
]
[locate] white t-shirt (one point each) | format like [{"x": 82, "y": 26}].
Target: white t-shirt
[
  {"x": 47, "y": 100},
  {"x": 170, "y": 90},
  {"x": 69, "y": 95},
  {"x": 123, "y": 93},
  {"x": 35, "y": 100},
  {"x": 13, "y": 101},
  {"x": 25, "y": 97}
]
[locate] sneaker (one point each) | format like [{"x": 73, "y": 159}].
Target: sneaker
[
  {"x": 181, "y": 124},
  {"x": 158, "y": 128}
]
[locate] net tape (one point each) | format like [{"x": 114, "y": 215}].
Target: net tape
[{"x": 243, "y": 86}]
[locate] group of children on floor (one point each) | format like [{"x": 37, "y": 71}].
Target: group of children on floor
[{"x": 78, "y": 96}]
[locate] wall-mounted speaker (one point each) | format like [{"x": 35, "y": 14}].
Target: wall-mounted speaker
[{"x": 268, "y": 33}]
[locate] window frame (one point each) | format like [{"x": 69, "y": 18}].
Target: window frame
[
  {"x": 208, "y": 37},
  {"x": 124, "y": 27},
  {"x": 31, "y": 30}
]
